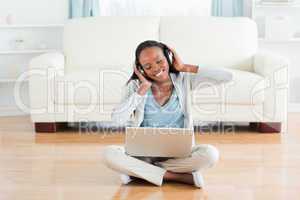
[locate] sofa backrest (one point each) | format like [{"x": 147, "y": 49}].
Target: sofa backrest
[
  {"x": 110, "y": 42},
  {"x": 212, "y": 41},
  {"x": 106, "y": 42}
]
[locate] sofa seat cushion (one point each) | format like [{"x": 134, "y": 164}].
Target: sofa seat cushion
[
  {"x": 84, "y": 87},
  {"x": 246, "y": 88}
]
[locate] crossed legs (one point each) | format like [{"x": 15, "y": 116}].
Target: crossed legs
[{"x": 176, "y": 169}]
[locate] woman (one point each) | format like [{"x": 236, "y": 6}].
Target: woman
[{"x": 161, "y": 84}]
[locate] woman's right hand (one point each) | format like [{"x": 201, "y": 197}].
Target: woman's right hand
[{"x": 144, "y": 83}]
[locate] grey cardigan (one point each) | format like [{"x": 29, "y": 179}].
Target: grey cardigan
[{"x": 131, "y": 107}]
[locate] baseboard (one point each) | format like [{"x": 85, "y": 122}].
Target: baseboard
[
  {"x": 294, "y": 107},
  {"x": 11, "y": 111}
]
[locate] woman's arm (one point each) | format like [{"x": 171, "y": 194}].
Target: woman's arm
[
  {"x": 198, "y": 75},
  {"x": 129, "y": 102}
]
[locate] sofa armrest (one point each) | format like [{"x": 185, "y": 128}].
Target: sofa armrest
[
  {"x": 55, "y": 60},
  {"x": 266, "y": 63},
  {"x": 42, "y": 72},
  {"x": 274, "y": 68}
]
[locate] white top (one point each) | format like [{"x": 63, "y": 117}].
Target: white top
[{"x": 184, "y": 83}]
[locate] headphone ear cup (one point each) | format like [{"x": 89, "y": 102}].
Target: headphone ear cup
[
  {"x": 169, "y": 54},
  {"x": 141, "y": 70}
]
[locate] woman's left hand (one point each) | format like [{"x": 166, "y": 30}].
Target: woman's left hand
[{"x": 177, "y": 62}]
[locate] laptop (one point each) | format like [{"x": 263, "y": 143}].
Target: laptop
[{"x": 158, "y": 142}]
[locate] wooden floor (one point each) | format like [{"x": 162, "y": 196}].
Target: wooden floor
[{"x": 68, "y": 166}]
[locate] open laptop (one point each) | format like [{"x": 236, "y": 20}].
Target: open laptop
[{"x": 158, "y": 142}]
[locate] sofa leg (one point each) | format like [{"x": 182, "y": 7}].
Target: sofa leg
[
  {"x": 269, "y": 127},
  {"x": 253, "y": 126},
  {"x": 49, "y": 127}
]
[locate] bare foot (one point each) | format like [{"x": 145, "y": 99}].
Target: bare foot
[{"x": 179, "y": 177}]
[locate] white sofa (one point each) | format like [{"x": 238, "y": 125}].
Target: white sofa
[{"x": 85, "y": 81}]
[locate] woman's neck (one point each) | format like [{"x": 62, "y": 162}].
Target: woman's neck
[{"x": 164, "y": 86}]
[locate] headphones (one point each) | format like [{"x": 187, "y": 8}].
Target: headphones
[{"x": 167, "y": 53}]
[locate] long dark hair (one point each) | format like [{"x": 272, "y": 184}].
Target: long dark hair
[{"x": 152, "y": 43}]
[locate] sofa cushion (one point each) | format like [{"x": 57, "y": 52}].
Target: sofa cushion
[
  {"x": 90, "y": 87},
  {"x": 246, "y": 88},
  {"x": 90, "y": 43},
  {"x": 105, "y": 87},
  {"x": 213, "y": 41}
]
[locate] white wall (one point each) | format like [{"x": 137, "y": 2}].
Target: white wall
[
  {"x": 35, "y": 11},
  {"x": 23, "y": 12}
]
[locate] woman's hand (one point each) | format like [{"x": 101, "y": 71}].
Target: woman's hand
[
  {"x": 177, "y": 62},
  {"x": 144, "y": 85}
]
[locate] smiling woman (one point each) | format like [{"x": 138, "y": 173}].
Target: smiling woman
[
  {"x": 160, "y": 69},
  {"x": 157, "y": 96},
  {"x": 154, "y": 60}
]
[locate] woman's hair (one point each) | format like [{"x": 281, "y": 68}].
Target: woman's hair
[{"x": 147, "y": 44}]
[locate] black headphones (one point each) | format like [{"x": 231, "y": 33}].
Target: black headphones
[{"x": 167, "y": 53}]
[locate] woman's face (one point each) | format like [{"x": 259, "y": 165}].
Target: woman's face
[{"x": 155, "y": 64}]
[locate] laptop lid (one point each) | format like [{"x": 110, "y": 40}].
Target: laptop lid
[{"x": 158, "y": 142}]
